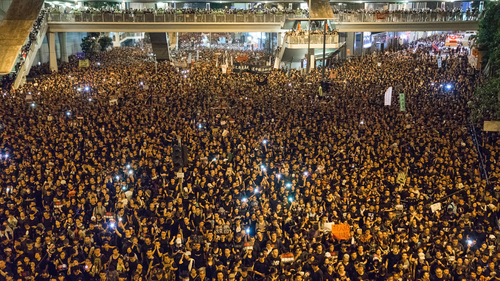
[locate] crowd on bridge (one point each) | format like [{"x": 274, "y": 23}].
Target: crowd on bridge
[
  {"x": 407, "y": 15},
  {"x": 89, "y": 189},
  {"x": 340, "y": 15}
]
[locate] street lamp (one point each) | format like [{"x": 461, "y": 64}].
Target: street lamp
[{"x": 309, "y": 40}]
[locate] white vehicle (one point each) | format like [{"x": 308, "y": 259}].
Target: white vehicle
[{"x": 467, "y": 34}]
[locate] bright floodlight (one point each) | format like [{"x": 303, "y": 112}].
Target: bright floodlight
[
  {"x": 448, "y": 86},
  {"x": 32, "y": 105},
  {"x": 68, "y": 113}
]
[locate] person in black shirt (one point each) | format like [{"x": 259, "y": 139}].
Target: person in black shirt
[{"x": 261, "y": 268}]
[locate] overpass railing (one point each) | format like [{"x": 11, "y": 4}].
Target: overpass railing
[
  {"x": 315, "y": 39},
  {"x": 254, "y": 17}
]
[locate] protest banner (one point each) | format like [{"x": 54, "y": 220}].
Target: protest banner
[
  {"x": 341, "y": 231},
  {"x": 388, "y": 96}
]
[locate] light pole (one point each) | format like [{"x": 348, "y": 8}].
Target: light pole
[
  {"x": 309, "y": 40},
  {"x": 156, "y": 64}
]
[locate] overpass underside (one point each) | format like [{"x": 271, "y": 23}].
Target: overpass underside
[{"x": 14, "y": 30}]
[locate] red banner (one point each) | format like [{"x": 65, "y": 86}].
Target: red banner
[{"x": 380, "y": 16}]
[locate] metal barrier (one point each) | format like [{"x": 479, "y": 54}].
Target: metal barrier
[
  {"x": 252, "y": 18},
  {"x": 315, "y": 39}
]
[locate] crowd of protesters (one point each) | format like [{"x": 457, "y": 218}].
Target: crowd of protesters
[
  {"x": 407, "y": 15},
  {"x": 89, "y": 190}
]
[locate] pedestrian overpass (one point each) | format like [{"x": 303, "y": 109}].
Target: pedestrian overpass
[{"x": 233, "y": 23}]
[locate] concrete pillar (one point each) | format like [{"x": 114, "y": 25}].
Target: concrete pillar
[
  {"x": 116, "y": 39},
  {"x": 52, "y": 51},
  {"x": 350, "y": 43},
  {"x": 62, "y": 45}
]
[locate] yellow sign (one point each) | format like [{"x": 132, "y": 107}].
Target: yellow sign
[{"x": 84, "y": 63}]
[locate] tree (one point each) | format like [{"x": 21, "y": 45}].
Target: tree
[
  {"x": 105, "y": 42},
  {"x": 88, "y": 45},
  {"x": 486, "y": 101}
]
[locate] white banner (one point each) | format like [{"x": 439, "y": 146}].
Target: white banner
[
  {"x": 388, "y": 96},
  {"x": 439, "y": 62}
]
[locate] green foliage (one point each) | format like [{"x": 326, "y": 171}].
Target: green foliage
[
  {"x": 87, "y": 45},
  {"x": 486, "y": 101},
  {"x": 105, "y": 42}
]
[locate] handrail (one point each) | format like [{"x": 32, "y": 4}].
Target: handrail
[
  {"x": 482, "y": 167},
  {"x": 255, "y": 18},
  {"x": 28, "y": 61}
]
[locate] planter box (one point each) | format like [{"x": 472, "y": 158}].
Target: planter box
[
  {"x": 179, "y": 18},
  {"x": 189, "y": 18},
  {"x": 220, "y": 18},
  {"x": 149, "y": 17},
  {"x": 78, "y": 17},
  {"x": 128, "y": 17},
  {"x": 230, "y": 18},
  {"x": 209, "y": 18},
  {"x": 200, "y": 18},
  {"x": 118, "y": 17},
  {"x": 139, "y": 18},
  {"x": 169, "y": 18},
  {"x": 250, "y": 18},
  {"x": 97, "y": 17},
  {"x": 268, "y": 18},
  {"x": 160, "y": 18},
  {"x": 240, "y": 18},
  {"x": 108, "y": 17},
  {"x": 55, "y": 17},
  {"x": 87, "y": 17}
]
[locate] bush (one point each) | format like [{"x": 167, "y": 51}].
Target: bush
[{"x": 486, "y": 101}]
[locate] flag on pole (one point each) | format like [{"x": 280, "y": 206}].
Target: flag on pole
[
  {"x": 402, "y": 106},
  {"x": 388, "y": 96}
]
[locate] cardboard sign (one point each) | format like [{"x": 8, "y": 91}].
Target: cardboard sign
[
  {"x": 402, "y": 105},
  {"x": 436, "y": 207},
  {"x": 180, "y": 175},
  {"x": 83, "y": 63},
  {"x": 401, "y": 178},
  {"x": 491, "y": 126},
  {"x": 341, "y": 231}
]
